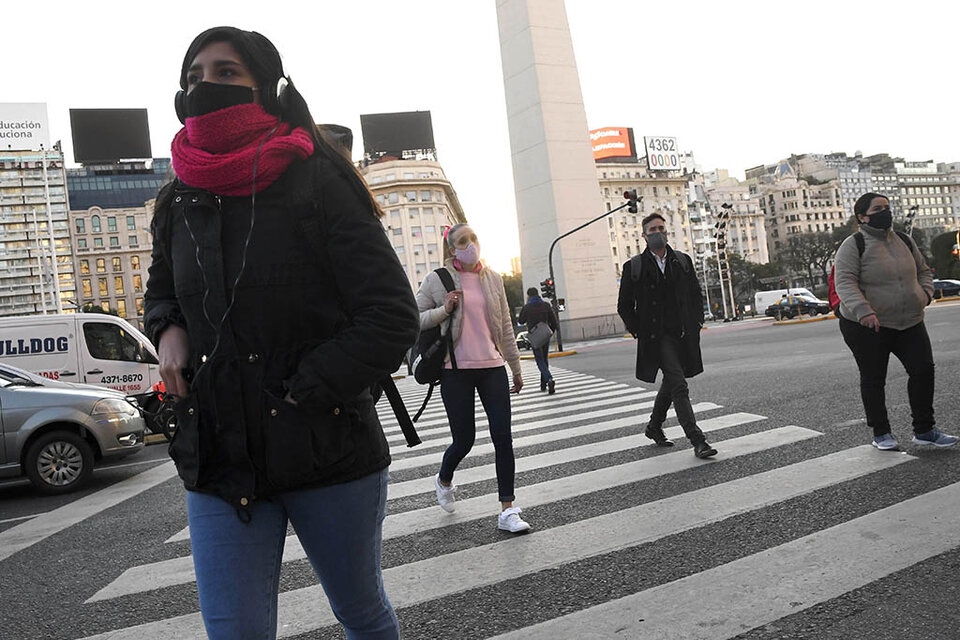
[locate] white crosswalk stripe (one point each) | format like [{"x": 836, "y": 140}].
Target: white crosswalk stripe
[{"x": 587, "y": 443}]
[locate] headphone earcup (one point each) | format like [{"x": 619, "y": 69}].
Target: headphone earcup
[
  {"x": 283, "y": 95},
  {"x": 178, "y": 104}
]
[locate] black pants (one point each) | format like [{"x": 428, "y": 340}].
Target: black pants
[
  {"x": 872, "y": 351},
  {"x": 673, "y": 389},
  {"x": 457, "y": 389}
]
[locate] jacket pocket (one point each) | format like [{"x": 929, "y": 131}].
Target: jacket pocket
[
  {"x": 185, "y": 447},
  {"x": 303, "y": 445}
]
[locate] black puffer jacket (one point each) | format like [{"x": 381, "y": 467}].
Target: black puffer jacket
[
  {"x": 322, "y": 311},
  {"x": 637, "y": 306}
]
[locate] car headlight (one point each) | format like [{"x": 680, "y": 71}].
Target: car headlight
[{"x": 113, "y": 410}]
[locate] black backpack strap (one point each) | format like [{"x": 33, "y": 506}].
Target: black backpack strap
[
  {"x": 858, "y": 238},
  {"x": 426, "y": 401},
  {"x": 907, "y": 240},
  {"x": 444, "y": 274},
  {"x": 636, "y": 267},
  {"x": 400, "y": 410}
]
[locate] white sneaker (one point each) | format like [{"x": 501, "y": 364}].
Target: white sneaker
[
  {"x": 445, "y": 495},
  {"x": 509, "y": 520}
]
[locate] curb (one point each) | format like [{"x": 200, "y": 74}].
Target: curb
[
  {"x": 778, "y": 323},
  {"x": 557, "y": 354},
  {"x": 154, "y": 438},
  {"x": 948, "y": 299}
]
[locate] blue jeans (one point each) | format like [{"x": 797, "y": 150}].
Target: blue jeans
[
  {"x": 238, "y": 564},
  {"x": 543, "y": 363},
  {"x": 457, "y": 390}
]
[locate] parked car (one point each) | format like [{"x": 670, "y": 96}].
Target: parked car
[
  {"x": 55, "y": 432},
  {"x": 791, "y": 306},
  {"x": 946, "y": 288},
  {"x": 522, "y": 341}
]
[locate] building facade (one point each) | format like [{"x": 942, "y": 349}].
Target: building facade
[
  {"x": 36, "y": 267},
  {"x": 418, "y": 204},
  {"x": 793, "y": 207},
  {"x": 116, "y": 186},
  {"x": 111, "y": 249}
]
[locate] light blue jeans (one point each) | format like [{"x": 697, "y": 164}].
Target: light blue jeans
[{"x": 238, "y": 564}]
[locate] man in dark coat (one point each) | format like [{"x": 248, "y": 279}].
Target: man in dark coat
[
  {"x": 661, "y": 306},
  {"x": 538, "y": 310}
]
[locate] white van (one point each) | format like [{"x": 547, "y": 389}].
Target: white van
[
  {"x": 763, "y": 299},
  {"x": 89, "y": 348}
]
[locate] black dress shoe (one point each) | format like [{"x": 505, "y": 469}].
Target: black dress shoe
[
  {"x": 552, "y": 386},
  {"x": 703, "y": 450},
  {"x": 658, "y": 437}
]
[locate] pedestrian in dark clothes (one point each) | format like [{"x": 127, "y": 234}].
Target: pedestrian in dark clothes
[{"x": 538, "y": 310}]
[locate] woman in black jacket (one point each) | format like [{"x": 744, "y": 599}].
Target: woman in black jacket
[{"x": 276, "y": 303}]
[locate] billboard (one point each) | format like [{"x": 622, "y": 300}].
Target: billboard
[
  {"x": 663, "y": 154},
  {"x": 613, "y": 142},
  {"x": 393, "y": 133},
  {"x": 23, "y": 126},
  {"x": 108, "y": 135}
]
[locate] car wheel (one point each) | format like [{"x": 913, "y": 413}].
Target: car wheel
[{"x": 59, "y": 462}]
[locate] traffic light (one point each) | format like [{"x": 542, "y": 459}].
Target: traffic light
[
  {"x": 547, "y": 289},
  {"x": 631, "y": 198},
  {"x": 956, "y": 251}
]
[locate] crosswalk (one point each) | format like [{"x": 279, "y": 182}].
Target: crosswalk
[{"x": 582, "y": 448}]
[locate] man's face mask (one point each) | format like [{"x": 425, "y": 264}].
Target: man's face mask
[
  {"x": 656, "y": 241},
  {"x": 881, "y": 219}
]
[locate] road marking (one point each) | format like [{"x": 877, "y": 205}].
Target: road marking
[
  {"x": 29, "y": 533},
  {"x": 560, "y": 407},
  {"x": 433, "y": 459},
  {"x": 432, "y": 578},
  {"x": 180, "y": 570},
  {"x": 785, "y": 579}
]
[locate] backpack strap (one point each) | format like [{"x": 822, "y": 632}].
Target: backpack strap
[
  {"x": 907, "y": 240},
  {"x": 444, "y": 274},
  {"x": 636, "y": 267},
  {"x": 400, "y": 410},
  {"x": 858, "y": 238},
  {"x": 861, "y": 243}
]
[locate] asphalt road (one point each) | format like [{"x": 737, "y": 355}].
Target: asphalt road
[{"x": 580, "y": 488}]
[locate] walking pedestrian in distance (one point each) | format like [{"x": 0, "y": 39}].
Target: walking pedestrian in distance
[
  {"x": 660, "y": 304},
  {"x": 483, "y": 339},
  {"x": 537, "y": 311},
  {"x": 276, "y": 303},
  {"x": 884, "y": 285}
]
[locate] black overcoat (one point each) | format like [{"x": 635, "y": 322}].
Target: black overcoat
[
  {"x": 323, "y": 310},
  {"x": 638, "y": 308}
]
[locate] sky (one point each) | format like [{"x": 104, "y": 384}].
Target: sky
[{"x": 738, "y": 83}]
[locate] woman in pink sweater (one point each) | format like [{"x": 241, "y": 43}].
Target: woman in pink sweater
[{"x": 483, "y": 341}]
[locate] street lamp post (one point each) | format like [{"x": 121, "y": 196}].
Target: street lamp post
[{"x": 631, "y": 201}]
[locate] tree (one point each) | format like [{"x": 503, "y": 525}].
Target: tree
[
  {"x": 944, "y": 260},
  {"x": 95, "y": 308},
  {"x": 513, "y": 285},
  {"x": 812, "y": 251}
]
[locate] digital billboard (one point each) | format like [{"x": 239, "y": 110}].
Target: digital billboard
[
  {"x": 109, "y": 135},
  {"x": 393, "y": 133},
  {"x": 23, "y": 126},
  {"x": 613, "y": 142}
]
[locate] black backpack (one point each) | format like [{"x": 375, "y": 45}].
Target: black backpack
[{"x": 430, "y": 351}]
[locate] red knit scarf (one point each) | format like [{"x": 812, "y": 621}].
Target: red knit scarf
[{"x": 216, "y": 151}]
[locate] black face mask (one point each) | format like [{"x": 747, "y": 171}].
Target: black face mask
[
  {"x": 207, "y": 97},
  {"x": 881, "y": 219}
]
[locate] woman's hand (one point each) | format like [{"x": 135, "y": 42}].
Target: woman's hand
[
  {"x": 517, "y": 383},
  {"x": 871, "y": 322},
  {"x": 174, "y": 352},
  {"x": 451, "y": 300}
]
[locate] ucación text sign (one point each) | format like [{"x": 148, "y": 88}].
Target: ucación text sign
[{"x": 23, "y": 126}]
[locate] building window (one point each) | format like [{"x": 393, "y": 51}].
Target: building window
[
  {"x": 95, "y": 224},
  {"x": 408, "y": 176},
  {"x": 393, "y": 197},
  {"x": 105, "y": 306},
  {"x": 102, "y": 282},
  {"x": 98, "y": 242},
  {"x": 101, "y": 265},
  {"x": 410, "y": 196},
  {"x": 81, "y": 243},
  {"x": 112, "y": 224},
  {"x": 87, "y": 288},
  {"x": 116, "y": 264},
  {"x": 398, "y": 231},
  {"x": 432, "y": 249},
  {"x": 84, "y": 266},
  {"x": 122, "y": 308},
  {"x": 139, "y": 306},
  {"x": 137, "y": 283},
  {"x": 135, "y": 263},
  {"x": 426, "y": 196},
  {"x": 81, "y": 226},
  {"x": 118, "y": 285},
  {"x": 114, "y": 241},
  {"x": 131, "y": 223},
  {"x": 133, "y": 241},
  {"x": 415, "y": 232}
]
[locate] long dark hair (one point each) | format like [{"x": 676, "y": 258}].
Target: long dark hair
[{"x": 263, "y": 60}]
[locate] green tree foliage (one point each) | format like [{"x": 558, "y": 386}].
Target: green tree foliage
[
  {"x": 95, "y": 308},
  {"x": 513, "y": 285},
  {"x": 945, "y": 263}
]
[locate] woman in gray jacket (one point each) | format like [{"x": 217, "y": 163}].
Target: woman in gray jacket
[
  {"x": 483, "y": 341},
  {"x": 883, "y": 289}
]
